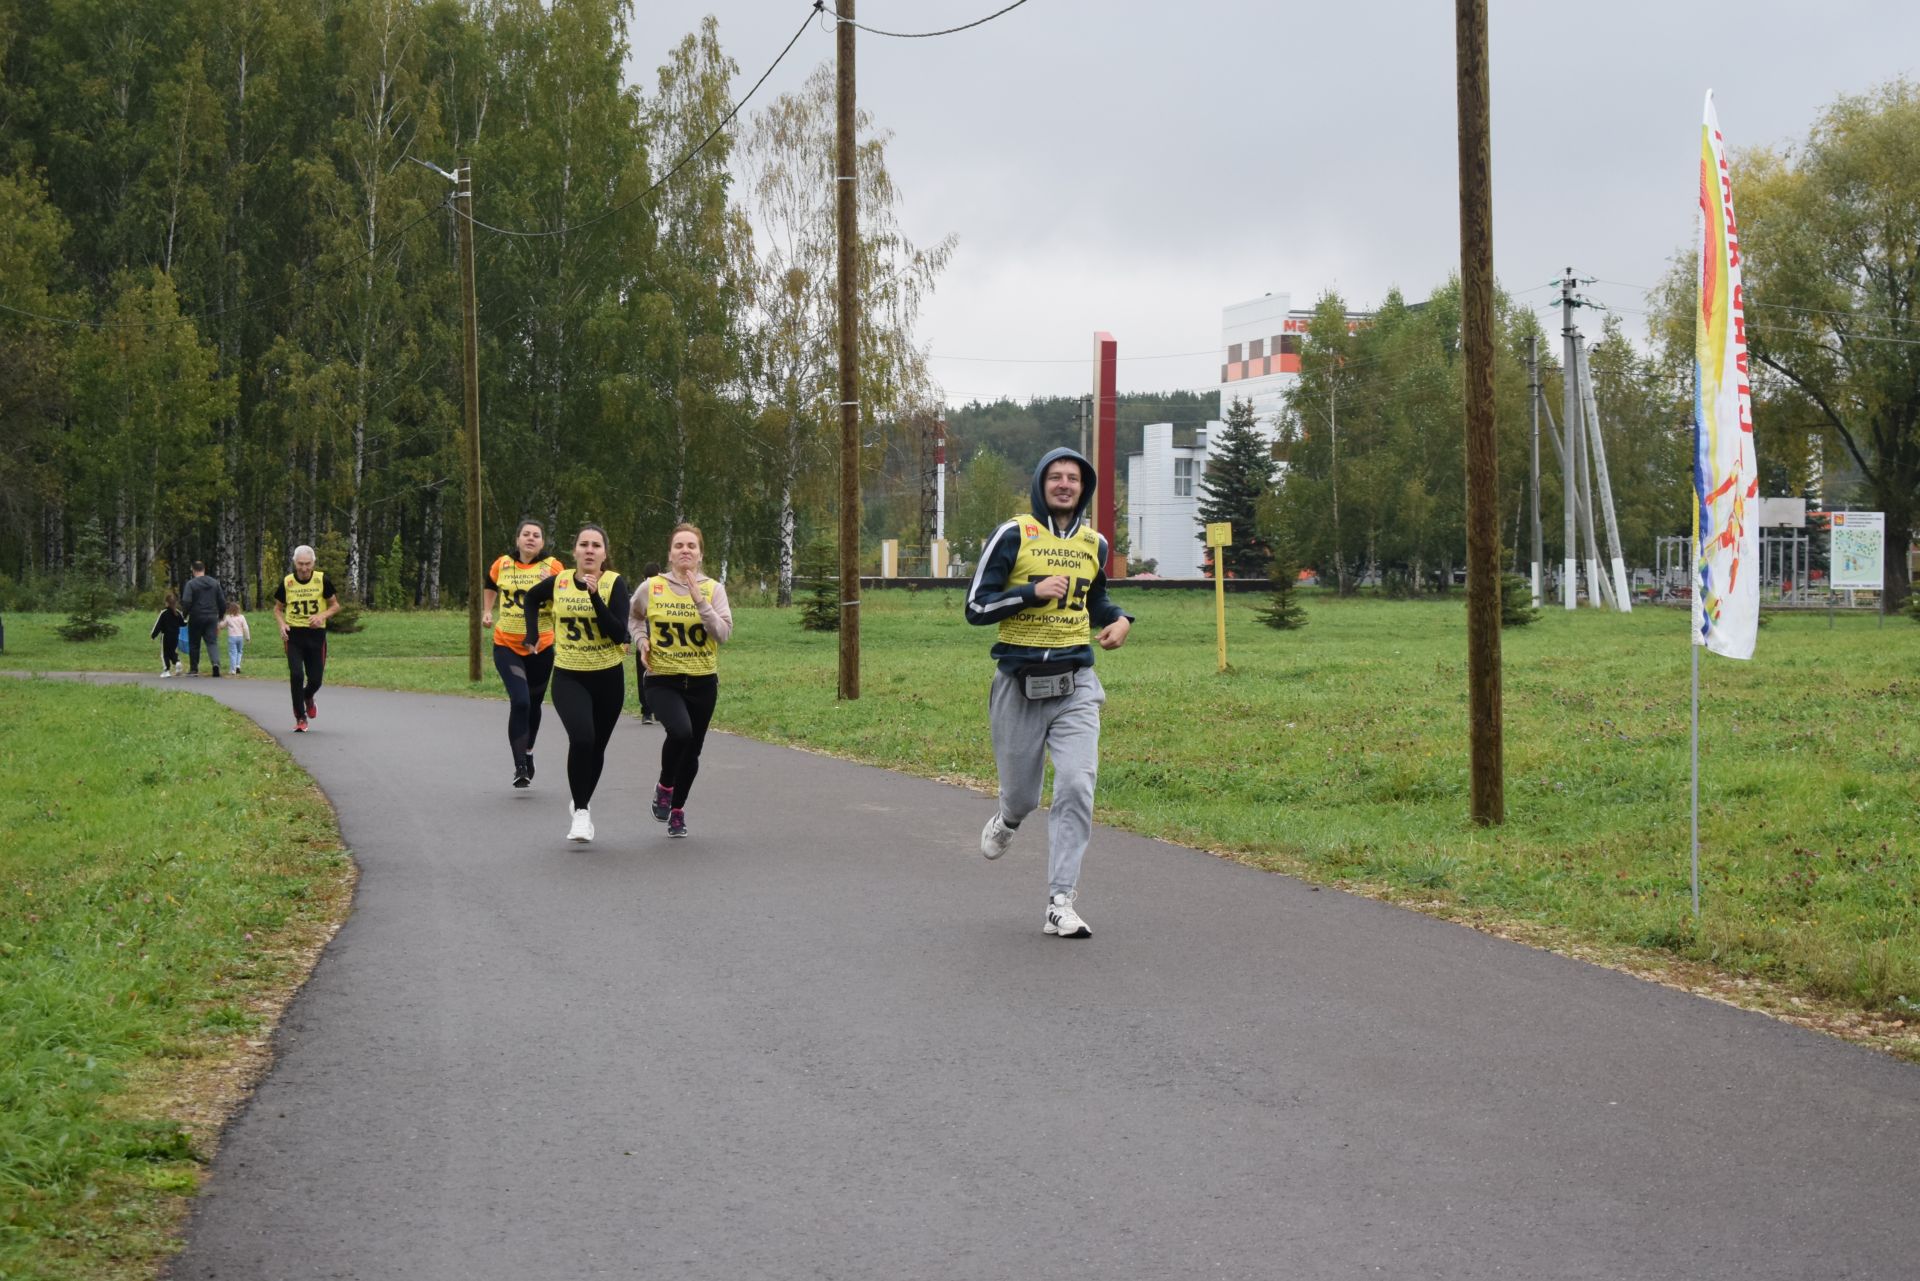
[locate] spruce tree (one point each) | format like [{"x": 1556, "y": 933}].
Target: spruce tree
[
  {"x": 1283, "y": 610},
  {"x": 1239, "y": 473},
  {"x": 89, "y": 596},
  {"x": 820, "y": 569},
  {"x": 391, "y": 573},
  {"x": 331, "y": 551},
  {"x": 1516, "y": 601}
]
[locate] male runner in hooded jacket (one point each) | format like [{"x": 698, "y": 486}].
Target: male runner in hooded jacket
[{"x": 1042, "y": 581}]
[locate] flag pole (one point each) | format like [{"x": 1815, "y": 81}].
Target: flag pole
[{"x": 1693, "y": 644}]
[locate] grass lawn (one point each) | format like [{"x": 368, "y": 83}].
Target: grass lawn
[
  {"x": 166, "y": 877},
  {"x": 1339, "y": 753}
]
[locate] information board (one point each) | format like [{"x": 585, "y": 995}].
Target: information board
[{"x": 1859, "y": 550}]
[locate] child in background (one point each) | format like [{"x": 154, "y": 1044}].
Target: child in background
[
  {"x": 238, "y": 634},
  {"x": 168, "y": 629}
]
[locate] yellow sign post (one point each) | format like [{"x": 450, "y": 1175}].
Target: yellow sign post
[{"x": 1219, "y": 537}]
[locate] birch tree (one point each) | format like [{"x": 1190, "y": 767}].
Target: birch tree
[{"x": 793, "y": 310}]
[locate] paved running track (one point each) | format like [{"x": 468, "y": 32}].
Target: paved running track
[{"x": 824, "y": 1038}]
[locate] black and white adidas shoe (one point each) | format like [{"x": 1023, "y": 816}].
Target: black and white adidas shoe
[{"x": 1063, "y": 920}]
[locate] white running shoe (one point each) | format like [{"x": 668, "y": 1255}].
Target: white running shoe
[
  {"x": 582, "y": 829},
  {"x": 995, "y": 836},
  {"x": 1063, "y": 920},
  {"x": 165, "y": 674}
]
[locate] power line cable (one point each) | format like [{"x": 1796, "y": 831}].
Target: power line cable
[
  {"x": 1803, "y": 333},
  {"x": 928, "y": 35},
  {"x": 678, "y": 165},
  {"x": 1770, "y": 306}
]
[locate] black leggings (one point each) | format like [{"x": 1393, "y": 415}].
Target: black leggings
[
  {"x": 588, "y": 704},
  {"x": 684, "y": 707},
  {"x": 526, "y": 677},
  {"x": 169, "y": 648},
  {"x": 306, "y": 664}
]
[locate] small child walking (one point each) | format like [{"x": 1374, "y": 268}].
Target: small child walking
[
  {"x": 238, "y": 634},
  {"x": 167, "y": 629}
]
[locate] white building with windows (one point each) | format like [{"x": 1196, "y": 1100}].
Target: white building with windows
[
  {"x": 1260, "y": 347},
  {"x": 1163, "y": 499}
]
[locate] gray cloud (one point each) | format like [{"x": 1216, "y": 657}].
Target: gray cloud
[{"x": 1112, "y": 164}]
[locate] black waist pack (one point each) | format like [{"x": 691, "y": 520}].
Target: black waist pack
[{"x": 1047, "y": 680}]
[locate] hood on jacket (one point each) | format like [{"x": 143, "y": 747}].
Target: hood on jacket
[{"x": 1038, "y": 496}]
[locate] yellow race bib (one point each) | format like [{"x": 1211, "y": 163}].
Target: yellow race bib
[
  {"x": 512, "y": 579},
  {"x": 1053, "y": 624},
  {"x": 678, "y": 643},
  {"x": 304, "y": 600},
  {"x": 579, "y": 644}
]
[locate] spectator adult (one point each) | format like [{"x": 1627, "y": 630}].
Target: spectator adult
[{"x": 203, "y": 601}]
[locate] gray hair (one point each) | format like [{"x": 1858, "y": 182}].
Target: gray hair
[{"x": 303, "y": 550}]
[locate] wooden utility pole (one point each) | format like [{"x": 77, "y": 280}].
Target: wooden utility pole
[
  {"x": 1533, "y": 488},
  {"x": 847, "y": 204},
  {"x": 1483, "y": 462},
  {"x": 463, "y": 191}
]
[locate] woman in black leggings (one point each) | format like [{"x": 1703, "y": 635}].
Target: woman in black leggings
[
  {"x": 524, "y": 668},
  {"x": 590, "y": 605},
  {"x": 681, "y": 617}
]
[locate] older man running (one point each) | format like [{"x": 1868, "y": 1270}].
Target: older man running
[{"x": 302, "y": 604}]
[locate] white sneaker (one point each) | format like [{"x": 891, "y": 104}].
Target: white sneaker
[
  {"x": 995, "y": 836},
  {"x": 164, "y": 675},
  {"x": 1063, "y": 920},
  {"x": 582, "y": 829}
]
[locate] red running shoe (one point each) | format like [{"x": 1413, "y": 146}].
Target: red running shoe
[
  {"x": 313, "y": 713},
  {"x": 300, "y": 725}
]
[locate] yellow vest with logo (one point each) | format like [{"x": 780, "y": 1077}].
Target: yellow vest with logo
[
  {"x": 579, "y": 644},
  {"x": 1053, "y": 624},
  {"x": 678, "y": 643},
  {"x": 304, "y": 600},
  {"x": 512, "y": 579}
]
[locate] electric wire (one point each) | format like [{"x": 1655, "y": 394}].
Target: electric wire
[
  {"x": 1764, "y": 306},
  {"x": 928, "y": 35}
]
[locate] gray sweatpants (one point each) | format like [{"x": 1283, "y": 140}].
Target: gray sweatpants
[{"x": 1025, "y": 732}]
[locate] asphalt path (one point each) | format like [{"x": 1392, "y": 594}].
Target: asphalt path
[{"x": 822, "y": 1037}]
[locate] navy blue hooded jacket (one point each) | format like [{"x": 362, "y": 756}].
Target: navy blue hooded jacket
[{"x": 990, "y": 600}]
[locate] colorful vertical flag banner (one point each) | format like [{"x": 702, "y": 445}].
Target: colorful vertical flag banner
[{"x": 1726, "y": 484}]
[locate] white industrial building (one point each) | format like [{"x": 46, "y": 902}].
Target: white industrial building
[{"x": 1260, "y": 350}]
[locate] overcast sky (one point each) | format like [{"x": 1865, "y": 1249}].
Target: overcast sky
[{"x": 1134, "y": 167}]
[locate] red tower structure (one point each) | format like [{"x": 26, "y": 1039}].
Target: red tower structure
[{"x": 1106, "y": 424}]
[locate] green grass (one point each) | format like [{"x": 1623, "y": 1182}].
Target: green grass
[
  {"x": 165, "y": 870},
  {"x": 1338, "y": 752}
]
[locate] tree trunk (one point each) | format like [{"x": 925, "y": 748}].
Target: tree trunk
[
  {"x": 1899, "y": 557},
  {"x": 120, "y": 538},
  {"x": 256, "y": 557},
  {"x": 679, "y": 459},
  {"x": 789, "y": 474},
  {"x": 436, "y": 529},
  {"x": 356, "y": 566},
  {"x": 55, "y": 537}
]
